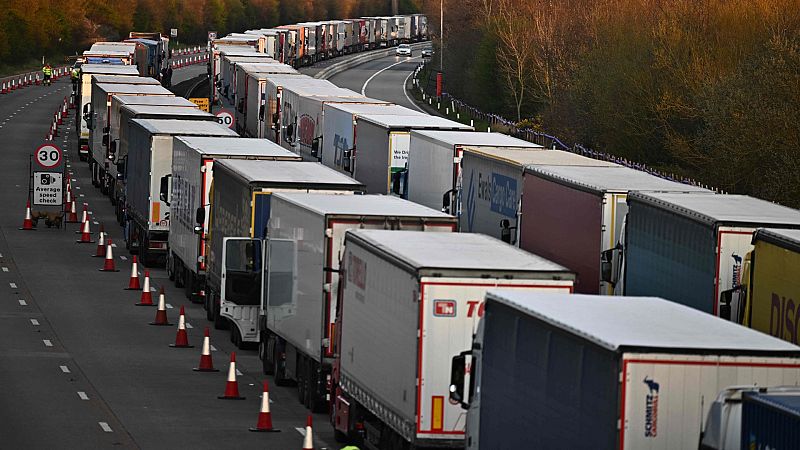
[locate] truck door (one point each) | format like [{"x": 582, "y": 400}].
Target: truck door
[
  {"x": 280, "y": 281},
  {"x": 242, "y": 271}
]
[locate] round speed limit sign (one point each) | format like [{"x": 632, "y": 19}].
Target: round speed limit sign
[
  {"x": 225, "y": 117},
  {"x": 48, "y": 156}
]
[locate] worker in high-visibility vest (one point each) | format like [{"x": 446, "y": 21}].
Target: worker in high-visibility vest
[
  {"x": 74, "y": 74},
  {"x": 48, "y": 72}
]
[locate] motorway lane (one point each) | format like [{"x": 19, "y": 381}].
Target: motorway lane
[
  {"x": 144, "y": 390},
  {"x": 385, "y": 79}
]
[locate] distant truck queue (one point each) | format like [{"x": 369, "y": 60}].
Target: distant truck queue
[{"x": 423, "y": 282}]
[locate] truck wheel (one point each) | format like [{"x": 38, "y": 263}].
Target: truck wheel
[
  {"x": 315, "y": 402},
  {"x": 301, "y": 380},
  {"x": 208, "y": 305},
  {"x": 188, "y": 281},
  {"x": 179, "y": 275},
  {"x": 236, "y": 336},
  {"x": 220, "y": 323},
  {"x": 266, "y": 364},
  {"x": 279, "y": 370},
  {"x": 144, "y": 256},
  {"x": 170, "y": 267}
]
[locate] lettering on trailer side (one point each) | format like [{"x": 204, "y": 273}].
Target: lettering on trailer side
[
  {"x": 784, "y": 318},
  {"x": 305, "y": 130},
  {"x": 475, "y": 308},
  {"x": 651, "y": 408},
  {"x": 357, "y": 274}
]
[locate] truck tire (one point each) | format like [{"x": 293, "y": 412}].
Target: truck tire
[
  {"x": 208, "y": 305},
  {"x": 220, "y": 323},
  {"x": 236, "y": 336},
  {"x": 279, "y": 371},
  {"x": 170, "y": 267},
  {"x": 302, "y": 377},
  {"x": 314, "y": 403},
  {"x": 266, "y": 364},
  {"x": 180, "y": 276}
]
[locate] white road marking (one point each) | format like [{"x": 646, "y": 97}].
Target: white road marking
[
  {"x": 405, "y": 92},
  {"x": 47, "y": 343},
  {"x": 188, "y": 326},
  {"x": 83, "y": 395},
  {"x": 34, "y": 322},
  {"x": 213, "y": 349},
  {"x": 65, "y": 369},
  {"x": 1, "y": 255},
  {"x": 13, "y": 285},
  {"x": 77, "y": 187},
  {"x": 96, "y": 222},
  {"x": 302, "y": 431},
  {"x": 238, "y": 373},
  {"x": 80, "y": 195},
  {"x": 5, "y": 269},
  {"x": 22, "y": 302},
  {"x": 105, "y": 427},
  {"x": 168, "y": 306},
  {"x": 114, "y": 245},
  {"x": 364, "y": 88},
  {"x": 123, "y": 257}
]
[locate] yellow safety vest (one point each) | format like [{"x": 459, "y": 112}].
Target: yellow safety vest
[{"x": 47, "y": 71}]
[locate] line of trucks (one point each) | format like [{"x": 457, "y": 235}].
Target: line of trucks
[{"x": 435, "y": 287}]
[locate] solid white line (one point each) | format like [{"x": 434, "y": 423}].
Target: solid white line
[
  {"x": 22, "y": 302},
  {"x": 405, "y": 92},
  {"x": 64, "y": 369},
  {"x": 105, "y": 427},
  {"x": 47, "y": 343},
  {"x": 83, "y": 395},
  {"x": 34, "y": 322},
  {"x": 364, "y": 88}
]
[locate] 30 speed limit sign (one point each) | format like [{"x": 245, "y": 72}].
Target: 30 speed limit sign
[
  {"x": 226, "y": 118},
  {"x": 48, "y": 156}
]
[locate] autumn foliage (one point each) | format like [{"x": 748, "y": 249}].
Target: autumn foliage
[{"x": 705, "y": 88}]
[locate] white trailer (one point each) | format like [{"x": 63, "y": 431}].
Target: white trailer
[
  {"x": 193, "y": 161},
  {"x": 263, "y": 108},
  {"x": 276, "y": 112},
  {"x": 251, "y": 79},
  {"x": 381, "y": 145},
  {"x": 119, "y": 144},
  {"x": 99, "y": 126},
  {"x": 490, "y": 184},
  {"x": 241, "y": 206},
  {"x": 303, "y": 113},
  {"x": 434, "y": 160},
  {"x": 588, "y": 372},
  {"x": 147, "y": 185},
  {"x": 84, "y": 98},
  {"x": 227, "y": 77},
  {"x": 305, "y": 242},
  {"x": 220, "y": 49},
  {"x": 337, "y": 134},
  {"x": 412, "y": 301}
]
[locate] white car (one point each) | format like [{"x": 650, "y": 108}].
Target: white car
[
  {"x": 403, "y": 50},
  {"x": 427, "y": 52}
]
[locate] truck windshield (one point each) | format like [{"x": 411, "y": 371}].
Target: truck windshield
[{"x": 243, "y": 271}]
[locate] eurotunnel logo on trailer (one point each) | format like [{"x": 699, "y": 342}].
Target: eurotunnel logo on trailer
[{"x": 651, "y": 409}]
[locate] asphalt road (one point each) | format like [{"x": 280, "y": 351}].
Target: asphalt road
[
  {"x": 384, "y": 78},
  {"x": 79, "y": 366}
]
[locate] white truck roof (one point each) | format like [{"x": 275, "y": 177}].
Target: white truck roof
[
  {"x": 473, "y": 138},
  {"x": 184, "y": 127},
  {"x": 254, "y": 59},
  {"x": 166, "y": 110},
  {"x": 535, "y": 156},
  {"x": 292, "y": 83},
  {"x": 711, "y": 209},
  {"x": 418, "y": 121},
  {"x": 369, "y": 205},
  {"x": 151, "y": 89},
  {"x": 639, "y": 322},
  {"x": 109, "y": 69},
  {"x": 375, "y": 109},
  {"x": 162, "y": 100},
  {"x": 610, "y": 179},
  {"x": 236, "y": 146},
  {"x": 266, "y": 67},
  {"x": 235, "y": 52},
  {"x": 123, "y": 79},
  {"x": 469, "y": 251},
  {"x": 286, "y": 172}
]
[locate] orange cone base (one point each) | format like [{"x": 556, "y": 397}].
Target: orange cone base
[
  {"x": 27, "y": 229},
  {"x": 231, "y": 392},
  {"x": 133, "y": 285},
  {"x": 72, "y": 219},
  {"x": 206, "y": 364},
  {"x": 146, "y": 300},
  {"x": 161, "y": 319},
  {"x": 81, "y": 241},
  {"x": 181, "y": 340},
  {"x": 264, "y": 424},
  {"x": 108, "y": 270},
  {"x": 97, "y": 256}
]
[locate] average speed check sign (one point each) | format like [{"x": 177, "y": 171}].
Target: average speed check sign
[
  {"x": 226, "y": 118},
  {"x": 48, "y": 156}
]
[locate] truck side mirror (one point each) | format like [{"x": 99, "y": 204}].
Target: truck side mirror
[
  {"x": 447, "y": 199},
  {"x": 725, "y": 299},
  {"x": 87, "y": 115},
  {"x": 609, "y": 265},
  {"x": 315, "y": 148},
  {"x": 105, "y": 140},
  {"x": 275, "y": 118},
  {"x": 506, "y": 234},
  {"x": 458, "y": 376},
  {"x": 164, "y": 191},
  {"x": 397, "y": 181},
  {"x": 200, "y": 215},
  {"x": 347, "y": 161},
  {"x": 240, "y": 106}
]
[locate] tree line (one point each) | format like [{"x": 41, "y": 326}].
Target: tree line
[
  {"x": 36, "y": 28},
  {"x": 704, "y": 88}
]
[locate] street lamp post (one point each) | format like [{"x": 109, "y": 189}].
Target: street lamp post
[{"x": 441, "y": 36}]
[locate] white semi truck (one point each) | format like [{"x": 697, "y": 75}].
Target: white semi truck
[{"x": 411, "y": 302}]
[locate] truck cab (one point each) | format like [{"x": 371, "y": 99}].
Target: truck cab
[{"x": 465, "y": 381}]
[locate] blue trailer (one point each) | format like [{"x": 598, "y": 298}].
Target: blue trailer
[{"x": 770, "y": 420}]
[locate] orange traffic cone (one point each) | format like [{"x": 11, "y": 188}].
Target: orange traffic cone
[
  {"x": 27, "y": 223},
  {"x": 264, "y": 416},
  {"x": 133, "y": 284},
  {"x": 161, "y": 313},
  {"x": 85, "y": 215},
  {"x": 308, "y": 439},
  {"x": 72, "y": 215},
  {"x": 108, "y": 264},
  {"x": 181, "y": 339},
  {"x": 86, "y": 235},
  {"x": 206, "y": 363},
  {"x": 101, "y": 244},
  {"x": 147, "y": 298},
  {"x": 232, "y": 387}
]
